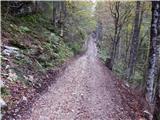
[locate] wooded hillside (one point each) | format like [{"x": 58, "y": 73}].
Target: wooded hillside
[{"x": 130, "y": 46}]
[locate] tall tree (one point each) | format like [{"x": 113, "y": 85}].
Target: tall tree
[
  {"x": 59, "y": 15},
  {"x": 152, "y": 73},
  {"x": 135, "y": 39},
  {"x": 115, "y": 39},
  {"x": 120, "y": 17}
]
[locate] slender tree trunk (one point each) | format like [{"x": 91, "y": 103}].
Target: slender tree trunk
[
  {"x": 54, "y": 17},
  {"x": 99, "y": 31},
  {"x": 59, "y": 15},
  {"x": 117, "y": 31},
  {"x": 54, "y": 14},
  {"x": 135, "y": 40},
  {"x": 152, "y": 73},
  {"x": 114, "y": 43}
]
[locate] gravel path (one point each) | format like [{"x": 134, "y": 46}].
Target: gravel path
[{"x": 84, "y": 92}]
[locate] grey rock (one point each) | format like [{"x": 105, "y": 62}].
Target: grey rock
[
  {"x": 1, "y": 115},
  {"x": 1, "y": 83},
  {"x": 24, "y": 98},
  {"x": 148, "y": 115},
  {"x": 11, "y": 50},
  {"x": 2, "y": 103}
]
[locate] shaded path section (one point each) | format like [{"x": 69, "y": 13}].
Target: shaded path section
[{"x": 84, "y": 92}]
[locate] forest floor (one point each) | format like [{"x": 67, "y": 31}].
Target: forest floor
[{"x": 86, "y": 91}]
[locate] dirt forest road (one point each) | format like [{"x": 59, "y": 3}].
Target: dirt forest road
[{"x": 84, "y": 92}]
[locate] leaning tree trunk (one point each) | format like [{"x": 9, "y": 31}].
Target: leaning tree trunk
[
  {"x": 151, "y": 79},
  {"x": 135, "y": 41}
]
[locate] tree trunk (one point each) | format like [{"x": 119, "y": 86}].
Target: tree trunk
[
  {"x": 115, "y": 43},
  {"x": 114, "y": 40},
  {"x": 152, "y": 73},
  {"x": 135, "y": 40},
  {"x": 99, "y": 31},
  {"x": 118, "y": 23},
  {"x": 59, "y": 15},
  {"x": 54, "y": 13},
  {"x": 156, "y": 113}
]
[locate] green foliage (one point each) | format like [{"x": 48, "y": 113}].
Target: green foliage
[
  {"x": 76, "y": 48},
  {"x": 79, "y": 23},
  {"x": 30, "y": 18},
  {"x": 103, "y": 55},
  {"x": 138, "y": 78},
  {"x": 56, "y": 51},
  {"x": 64, "y": 53},
  {"x": 119, "y": 68},
  {"x": 4, "y": 91},
  {"x": 24, "y": 29}
]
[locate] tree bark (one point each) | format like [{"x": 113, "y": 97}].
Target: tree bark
[
  {"x": 117, "y": 30},
  {"x": 152, "y": 73},
  {"x": 156, "y": 113},
  {"x": 99, "y": 31},
  {"x": 119, "y": 20},
  {"x": 54, "y": 13},
  {"x": 135, "y": 40},
  {"x": 59, "y": 15}
]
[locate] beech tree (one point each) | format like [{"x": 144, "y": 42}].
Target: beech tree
[
  {"x": 135, "y": 39},
  {"x": 120, "y": 18},
  {"x": 152, "y": 73}
]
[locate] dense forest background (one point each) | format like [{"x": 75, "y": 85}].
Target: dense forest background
[
  {"x": 38, "y": 36},
  {"x": 126, "y": 46}
]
